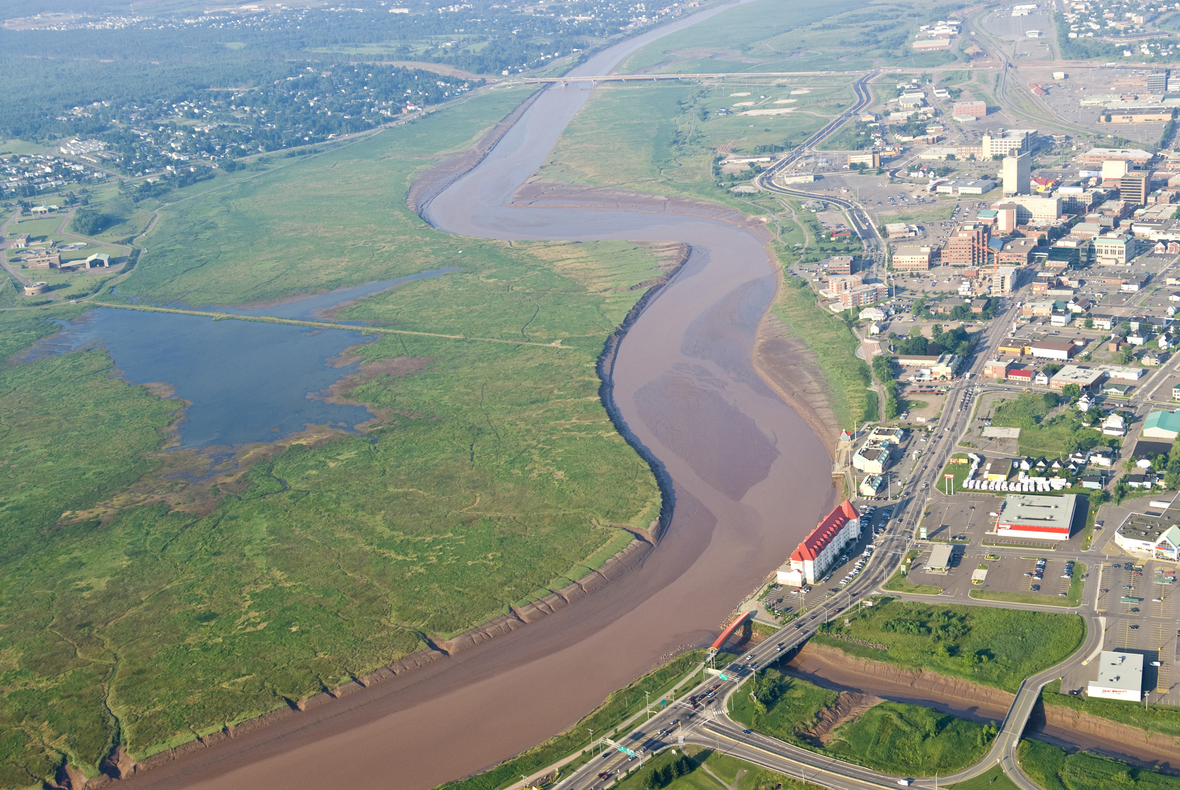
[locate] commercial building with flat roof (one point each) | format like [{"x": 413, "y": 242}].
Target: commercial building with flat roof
[
  {"x": 911, "y": 258},
  {"x": 1151, "y": 536},
  {"x": 1135, "y": 186},
  {"x": 820, "y": 550},
  {"x": 966, "y": 246},
  {"x": 873, "y": 457},
  {"x": 1053, "y": 349},
  {"x": 1086, "y": 378},
  {"x": 1120, "y": 676},
  {"x": 1041, "y": 517},
  {"x": 969, "y": 110},
  {"x": 940, "y": 558}
]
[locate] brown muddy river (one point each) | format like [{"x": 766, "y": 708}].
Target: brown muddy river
[{"x": 748, "y": 480}]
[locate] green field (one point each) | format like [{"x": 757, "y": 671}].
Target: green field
[
  {"x": 774, "y": 36},
  {"x": 993, "y": 778},
  {"x": 1053, "y": 769},
  {"x": 891, "y": 737},
  {"x": 1157, "y": 718},
  {"x": 662, "y": 138},
  {"x": 1052, "y": 437},
  {"x": 910, "y": 739},
  {"x": 995, "y": 647},
  {"x": 784, "y": 707},
  {"x": 496, "y": 476},
  {"x": 834, "y": 347}
]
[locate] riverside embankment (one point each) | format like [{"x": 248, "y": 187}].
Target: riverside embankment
[{"x": 748, "y": 478}]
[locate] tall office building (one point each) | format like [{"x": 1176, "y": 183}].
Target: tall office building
[
  {"x": 967, "y": 246},
  {"x": 1157, "y": 81},
  {"x": 1135, "y": 186},
  {"x": 1017, "y": 174}
]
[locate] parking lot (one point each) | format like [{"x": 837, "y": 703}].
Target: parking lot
[
  {"x": 1033, "y": 575},
  {"x": 967, "y": 517},
  {"x": 1141, "y": 617}
]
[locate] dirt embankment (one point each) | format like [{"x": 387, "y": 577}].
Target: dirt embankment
[
  {"x": 833, "y": 669},
  {"x": 1108, "y": 738},
  {"x": 849, "y": 705},
  {"x": 120, "y": 765},
  {"x": 787, "y": 365},
  {"x": 431, "y": 182}
]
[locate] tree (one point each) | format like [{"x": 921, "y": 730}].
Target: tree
[
  {"x": 1072, "y": 392},
  {"x": 1050, "y": 399},
  {"x": 1127, "y": 354},
  {"x": 1088, "y": 323}
]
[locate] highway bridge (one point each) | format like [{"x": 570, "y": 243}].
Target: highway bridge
[{"x": 730, "y": 76}]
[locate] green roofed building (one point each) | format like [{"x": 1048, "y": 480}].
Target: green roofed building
[{"x": 1162, "y": 425}]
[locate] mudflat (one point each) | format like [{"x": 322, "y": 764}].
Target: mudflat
[{"x": 745, "y": 475}]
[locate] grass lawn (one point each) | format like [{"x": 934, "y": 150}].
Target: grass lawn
[
  {"x": 995, "y": 647},
  {"x": 1053, "y": 769},
  {"x": 899, "y": 583},
  {"x": 1163, "y": 719},
  {"x": 891, "y": 737},
  {"x": 1039, "y": 436},
  {"x": 1073, "y": 597},
  {"x": 791, "y": 705},
  {"x": 834, "y": 347},
  {"x": 992, "y": 779},
  {"x": 910, "y": 739},
  {"x": 959, "y": 470}
]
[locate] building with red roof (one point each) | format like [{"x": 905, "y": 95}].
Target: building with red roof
[{"x": 820, "y": 550}]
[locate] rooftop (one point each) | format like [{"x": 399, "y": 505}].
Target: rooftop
[
  {"x": 1120, "y": 670},
  {"x": 1047, "y": 512},
  {"x": 1163, "y": 420},
  {"x": 1150, "y": 527},
  {"x": 825, "y": 532}
]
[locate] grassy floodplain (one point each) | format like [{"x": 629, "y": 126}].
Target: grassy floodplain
[
  {"x": 776, "y": 36},
  {"x": 496, "y": 475},
  {"x": 891, "y": 737},
  {"x": 991, "y": 646}
]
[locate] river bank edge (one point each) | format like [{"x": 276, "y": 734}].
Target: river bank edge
[
  {"x": 120, "y": 764},
  {"x": 833, "y": 669}
]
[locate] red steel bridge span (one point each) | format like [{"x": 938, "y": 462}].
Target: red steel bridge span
[{"x": 729, "y": 631}]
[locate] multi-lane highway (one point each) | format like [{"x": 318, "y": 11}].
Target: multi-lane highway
[{"x": 699, "y": 715}]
